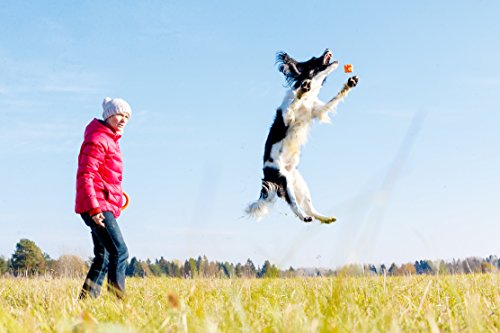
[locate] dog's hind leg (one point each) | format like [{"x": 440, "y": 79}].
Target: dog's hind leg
[
  {"x": 304, "y": 198},
  {"x": 291, "y": 199},
  {"x": 292, "y": 202}
]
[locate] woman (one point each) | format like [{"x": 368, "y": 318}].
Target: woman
[{"x": 99, "y": 197}]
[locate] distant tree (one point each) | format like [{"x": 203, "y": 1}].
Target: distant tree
[
  {"x": 425, "y": 267},
  {"x": 198, "y": 265},
  {"x": 393, "y": 270},
  {"x": 69, "y": 266},
  {"x": 456, "y": 267},
  {"x": 129, "y": 271},
  {"x": 248, "y": 270},
  {"x": 494, "y": 261},
  {"x": 442, "y": 268},
  {"x": 407, "y": 269},
  {"x": 48, "y": 260},
  {"x": 186, "y": 270},
  {"x": 134, "y": 268},
  {"x": 139, "y": 268},
  {"x": 368, "y": 269},
  {"x": 382, "y": 270},
  {"x": 228, "y": 269},
  {"x": 202, "y": 266},
  {"x": 238, "y": 269},
  {"x": 4, "y": 265},
  {"x": 162, "y": 264},
  {"x": 174, "y": 269},
  {"x": 354, "y": 270},
  {"x": 418, "y": 268},
  {"x": 190, "y": 270},
  {"x": 431, "y": 267},
  {"x": 28, "y": 259},
  {"x": 262, "y": 271},
  {"x": 156, "y": 268},
  {"x": 169, "y": 268},
  {"x": 213, "y": 270},
  {"x": 269, "y": 271},
  {"x": 193, "y": 268},
  {"x": 290, "y": 273},
  {"x": 487, "y": 267},
  {"x": 472, "y": 265},
  {"x": 164, "y": 267},
  {"x": 145, "y": 268}
]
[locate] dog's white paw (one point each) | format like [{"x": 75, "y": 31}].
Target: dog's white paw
[
  {"x": 352, "y": 82},
  {"x": 326, "y": 219}
]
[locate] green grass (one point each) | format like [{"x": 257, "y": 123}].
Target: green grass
[{"x": 461, "y": 303}]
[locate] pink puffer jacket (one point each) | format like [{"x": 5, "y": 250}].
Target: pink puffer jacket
[{"x": 99, "y": 175}]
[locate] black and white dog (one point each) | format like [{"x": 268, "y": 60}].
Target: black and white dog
[{"x": 289, "y": 132}]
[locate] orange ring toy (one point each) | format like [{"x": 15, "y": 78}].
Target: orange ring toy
[{"x": 127, "y": 201}]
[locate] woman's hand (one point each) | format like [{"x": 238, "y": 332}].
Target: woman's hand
[{"x": 98, "y": 219}]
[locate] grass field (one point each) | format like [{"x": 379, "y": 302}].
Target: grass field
[{"x": 460, "y": 303}]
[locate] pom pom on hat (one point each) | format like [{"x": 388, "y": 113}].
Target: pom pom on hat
[{"x": 111, "y": 106}]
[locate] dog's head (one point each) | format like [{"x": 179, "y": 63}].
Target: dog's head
[{"x": 312, "y": 72}]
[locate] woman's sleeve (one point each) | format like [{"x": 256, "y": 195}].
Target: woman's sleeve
[{"x": 91, "y": 158}]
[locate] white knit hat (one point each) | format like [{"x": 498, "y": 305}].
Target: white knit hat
[{"x": 111, "y": 106}]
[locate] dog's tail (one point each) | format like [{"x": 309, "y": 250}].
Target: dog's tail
[{"x": 258, "y": 209}]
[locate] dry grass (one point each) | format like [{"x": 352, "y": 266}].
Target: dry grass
[{"x": 462, "y": 303}]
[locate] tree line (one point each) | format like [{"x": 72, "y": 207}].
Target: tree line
[{"x": 29, "y": 260}]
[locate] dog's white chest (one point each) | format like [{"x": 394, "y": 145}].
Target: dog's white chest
[
  {"x": 287, "y": 152},
  {"x": 297, "y": 118},
  {"x": 296, "y": 137}
]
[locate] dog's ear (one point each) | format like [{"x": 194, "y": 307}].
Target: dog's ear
[{"x": 287, "y": 65}]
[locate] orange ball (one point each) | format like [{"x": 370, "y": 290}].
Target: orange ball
[{"x": 348, "y": 68}]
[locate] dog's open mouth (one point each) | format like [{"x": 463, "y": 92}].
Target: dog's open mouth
[{"x": 327, "y": 57}]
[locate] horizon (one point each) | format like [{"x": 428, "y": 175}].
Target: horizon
[{"x": 346, "y": 264}]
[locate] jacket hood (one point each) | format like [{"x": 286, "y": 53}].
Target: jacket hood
[{"x": 99, "y": 126}]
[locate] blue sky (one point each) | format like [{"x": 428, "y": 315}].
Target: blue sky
[{"x": 410, "y": 164}]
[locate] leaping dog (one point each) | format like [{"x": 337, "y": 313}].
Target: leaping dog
[{"x": 289, "y": 131}]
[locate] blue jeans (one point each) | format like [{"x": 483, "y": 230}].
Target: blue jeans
[{"x": 110, "y": 256}]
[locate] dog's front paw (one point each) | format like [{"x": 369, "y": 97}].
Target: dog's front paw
[
  {"x": 308, "y": 219},
  {"x": 306, "y": 85},
  {"x": 352, "y": 82}
]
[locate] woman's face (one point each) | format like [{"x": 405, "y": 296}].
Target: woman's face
[{"x": 118, "y": 122}]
